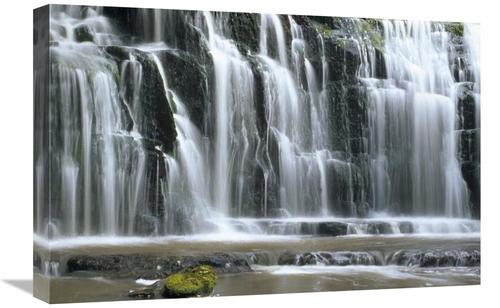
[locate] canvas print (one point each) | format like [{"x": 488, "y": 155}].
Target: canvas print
[{"x": 184, "y": 153}]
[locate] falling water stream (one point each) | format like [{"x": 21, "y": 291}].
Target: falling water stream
[{"x": 274, "y": 156}]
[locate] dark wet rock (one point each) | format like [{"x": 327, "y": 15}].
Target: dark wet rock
[
  {"x": 144, "y": 292},
  {"x": 332, "y": 229},
  {"x": 151, "y": 144},
  {"x": 287, "y": 258},
  {"x": 118, "y": 53},
  {"x": 149, "y": 267},
  {"x": 146, "y": 224},
  {"x": 260, "y": 257},
  {"x": 327, "y": 228},
  {"x": 471, "y": 172},
  {"x": 379, "y": 228},
  {"x": 469, "y": 142},
  {"x": 37, "y": 261},
  {"x": 452, "y": 258},
  {"x": 188, "y": 80},
  {"x": 466, "y": 106},
  {"x": 328, "y": 258},
  {"x": 156, "y": 118},
  {"x": 283, "y": 228},
  {"x": 153, "y": 116},
  {"x": 221, "y": 263},
  {"x": 154, "y": 290},
  {"x": 406, "y": 227},
  {"x": 84, "y": 33},
  {"x": 306, "y": 229},
  {"x": 245, "y": 31}
]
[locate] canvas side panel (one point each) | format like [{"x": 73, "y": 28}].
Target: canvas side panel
[{"x": 41, "y": 139}]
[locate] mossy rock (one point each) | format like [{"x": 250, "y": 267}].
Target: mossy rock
[
  {"x": 455, "y": 28},
  {"x": 84, "y": 33},
  {"x": 198, "y": 281}
]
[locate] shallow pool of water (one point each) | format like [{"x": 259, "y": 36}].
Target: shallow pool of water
[{"x": 267, "y": 277}]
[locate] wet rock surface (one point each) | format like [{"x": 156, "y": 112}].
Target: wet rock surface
[
  {"x": 152, "y": 268},
  {"x": 452, "y": 258},
  {"x": 329, "y": 258},
  {"x": 37, "y": 261},
  {"x": 411, "y": 258},
  {"x": 148, "y": 267}
]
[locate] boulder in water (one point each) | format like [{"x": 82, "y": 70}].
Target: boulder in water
[
  {"x": 198, "y": 281},
  {"x": 332, "y": 229},
  {"x": 84, "y": 33}
]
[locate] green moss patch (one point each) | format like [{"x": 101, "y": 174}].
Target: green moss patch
[{"x": 198, "y": 281}]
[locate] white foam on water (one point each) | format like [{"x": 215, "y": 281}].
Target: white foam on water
[{"x": 146, "y": 282}]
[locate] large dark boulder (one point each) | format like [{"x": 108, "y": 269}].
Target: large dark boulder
[
  {"x": 84, "y": 33},
  {"x": 406, "y": 227},
  {"x": 379, "y": 228},
  {"x": 332, "y": 229},
  {"x": 221, "y": 263}
]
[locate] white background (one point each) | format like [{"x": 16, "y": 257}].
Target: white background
[{"x": 16, "y": 162}]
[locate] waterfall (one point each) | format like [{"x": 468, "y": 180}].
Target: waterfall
[
  {"x": 196, "y": 122},
  {"x": 91, "y": 143},
  {"x": 190, "y": 165},
  {"x": 234, "y": 138},
  {"x": 415, "y": 103}
]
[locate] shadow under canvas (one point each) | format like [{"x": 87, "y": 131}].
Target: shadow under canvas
[{"x": 22, "y": 284}]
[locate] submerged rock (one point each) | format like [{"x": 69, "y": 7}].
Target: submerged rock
[
  {"x": 151, "y": 291},
  {"x": 144, "y": 292}
]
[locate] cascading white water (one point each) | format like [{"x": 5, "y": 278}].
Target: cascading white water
[
  {"x": 188, "y": 174},
  {"x": 412, "y": 115},
  {"x": 300, "y": 167},
  {"x": 271, "y": 27},
  {"x": 235, "y": 127},
  {"x": 287, "y": 168},
  {"x": 91, "y": 145}
]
